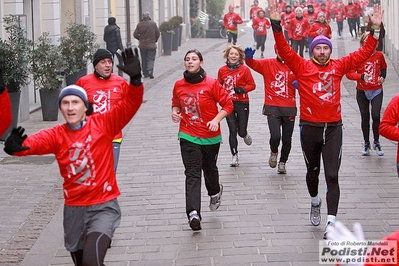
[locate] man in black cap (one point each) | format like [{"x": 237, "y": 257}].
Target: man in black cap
[{"x": 104, "y": 90}]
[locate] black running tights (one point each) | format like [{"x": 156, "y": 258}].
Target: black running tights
[{"x": 94, "y": 251}]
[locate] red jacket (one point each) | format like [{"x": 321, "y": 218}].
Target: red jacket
[
  {"x": 240, "y": 77},
  {"x": 104, "y": 94},
  {"x": 286, "y": 19},
  {"x": 85, "y": 156},
  {"x": 389, "y": 122},
  {"x": 277, "y": 79},
  {"x": 5, "y": 112},
  {"x": 199, "y": 105},
  {"x": 261, "y": 25},
  {"x": 372, "y": 67},
  {"x": 228, "y": 20},
  {"x": 319, "y": 87}
]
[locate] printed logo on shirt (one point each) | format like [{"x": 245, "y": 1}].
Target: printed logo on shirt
[
  {"x": 229, "y": 84},
  {"x": 280, "y": 84},
  {"x": 81, "y": 167},
  {"x": 369, "y": 69},
  {"x": 324, "y": 88},
  {"x": 192, "y": 108},
  {"x": 102, "y": 101}
]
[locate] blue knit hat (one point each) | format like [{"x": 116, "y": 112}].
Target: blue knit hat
[
  {"x": 321, "y": 39},
  {"x": 73, "y": 90}
]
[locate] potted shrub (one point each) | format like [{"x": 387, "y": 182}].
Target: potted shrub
[
  {"x": 48, "y": 74},
  {"x": 197, "y": 28},
  {"x": 177, "y": 27},
  {"x": 166, "y": 29},
  {"x": 14, "y": 61},
  {"x": 77, "y": 47}
]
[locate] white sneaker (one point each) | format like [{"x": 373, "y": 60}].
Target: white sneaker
[
  {"x": 329, "y": 225},
  {"x": 248, "y": 139},
  {"x": 281, "y": 168},
  {"x": 315, "y": 214},
  {"x": 273, "y": 159},
  {"x": 234, "y": 160},
  {"x": 378, "y": 149},
  {"x": 194, "y": 221},
  {"x": 216, "y": 200},
  {"x": 366, "y": 149}
]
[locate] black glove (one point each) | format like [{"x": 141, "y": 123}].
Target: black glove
[
  {"x": 276, "y": 25},
  {"x": 131, "y": 65},
  {"x": 2, "y": 84},
  {"x": 14, "y": 141},
  {"x": 239, "y": 90},
  {"x": 89, "y": 109},
  {"x": 235, "y": 22}
]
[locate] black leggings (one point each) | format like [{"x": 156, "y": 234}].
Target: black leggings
[
  {"x": 238, "y": 123},
  {"x": 286, "y": 124},
  {"x": 94, "y": 251},
  {"x": 260, "y": 42},
  {"x": 326, "y": 142},
  {"x": 352, "y": 26},
  {"x": 232, "y": 37},
  {"x": 364, "y": 108}
]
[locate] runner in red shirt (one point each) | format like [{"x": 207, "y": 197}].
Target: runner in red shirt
[
  {"x": 237, "y": 79},
  {"x": 261, "y": 24},
  {"x": 369, "y": 77},
  {"x": 279, "y": 104},
  {"x": 195, "y": 106},
  {"x": 84, "y": 152},
  {"x": 319, "y": 81},
  {"x": 298, "y": 29},
  {"x": 253, "y": 13},
  {"x": 339, "y": 15},
  {"x": 286, "y": 18},
  {"x": 230, "y": 21}
]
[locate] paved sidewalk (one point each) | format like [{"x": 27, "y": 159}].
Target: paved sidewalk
[{"x": 264, "y": 216}]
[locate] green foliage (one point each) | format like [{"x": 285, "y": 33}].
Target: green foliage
[
  {"x": 194, "y": 8},
  {"x": 215, "y": 8},
  {"x": 47, "y": 64},
  {"x": 176, "y": 21},
  {"x": 14, "y": 54},
  {"x": 166, "y": 26},
  {"x": 197, "y": 29},
  {"x": 77, "y": 47}
]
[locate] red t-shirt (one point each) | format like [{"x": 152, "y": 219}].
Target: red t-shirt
[
  {"x": 277, "y": 79},
  {"x": 319, "y": 28},
  {"x": 85, "y": 155},
  {"x": 199, "y": 105},
  {"x": 319, "y": 86},
  {"x": 104, "y": 94},
  {"x": 228, "y": 20},
  {"x": 261, "y": 25},
  {"x": 389, "y": 122},
  {"x": 372, "y": 67},
  {"x": 240, "y": 77}
]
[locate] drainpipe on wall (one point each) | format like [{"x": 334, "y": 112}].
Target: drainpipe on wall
[{"x": 128, "y": 35}]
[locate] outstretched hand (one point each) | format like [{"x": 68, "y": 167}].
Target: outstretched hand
[
  {"x": 274, "y": 13},
  {"x": 14, "y": 141},
  {"x": 249, "y": 52},
  {"x": 376, "y": 17},
  {"x": 131, "y": 65}
]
